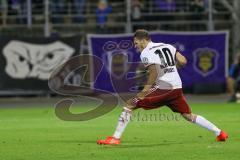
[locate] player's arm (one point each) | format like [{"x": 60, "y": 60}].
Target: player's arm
[
  {"x": 152, "y": 76},
  {"x": 181, "y": 60}
]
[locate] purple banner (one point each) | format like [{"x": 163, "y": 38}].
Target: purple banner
[{"x": 206, "y": 52}]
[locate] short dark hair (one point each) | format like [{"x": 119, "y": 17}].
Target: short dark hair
[{"x": 142, "y": 34}]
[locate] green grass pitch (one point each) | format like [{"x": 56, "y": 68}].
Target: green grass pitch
[{"x": 35, "y": 133}]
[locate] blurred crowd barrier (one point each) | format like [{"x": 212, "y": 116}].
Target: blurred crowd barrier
[{"x": 113, "y": 16}]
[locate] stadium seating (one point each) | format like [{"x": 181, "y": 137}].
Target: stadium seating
[{"x": 182, "y": 18}]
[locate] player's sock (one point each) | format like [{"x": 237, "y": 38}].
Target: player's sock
[
  {"x": 122, "y": 122},
  {"x": 201, "y": 121}
]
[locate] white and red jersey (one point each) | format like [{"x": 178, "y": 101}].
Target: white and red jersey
[{"x": 163, "y": 55}]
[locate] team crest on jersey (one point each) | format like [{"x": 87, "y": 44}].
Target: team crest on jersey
[
  {"x": 145, "y": 61},
  {"x": 205, "y": 61}
]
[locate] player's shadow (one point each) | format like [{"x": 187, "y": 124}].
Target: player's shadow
[
  {"x": 144, "y": 145},
  {"x": 75, "y": 141},
  {"x": 123, "y": 145}
]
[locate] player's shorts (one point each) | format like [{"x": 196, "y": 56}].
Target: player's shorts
[{"x": 174, "y": 99}]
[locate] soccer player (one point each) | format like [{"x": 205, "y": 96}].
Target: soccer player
[{"x": 163, "y": 87}]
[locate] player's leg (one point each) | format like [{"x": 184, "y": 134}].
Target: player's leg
[
  {"x": 201, "y": 121},
  {"x": 123, "y": 120},
  {"x": 181, "y": 106},
  {"x": 147, "y": 103},
  {"x": 132, "y": 104}
]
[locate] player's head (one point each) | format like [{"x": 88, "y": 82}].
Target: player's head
[{"x": 141, "y": 38}]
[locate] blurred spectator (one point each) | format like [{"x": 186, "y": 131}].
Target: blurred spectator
[
  {"x": 15, "y": 5},
  {"x": 14, "y": 8},
  {"x": 233, "y": 80},
  {"x": 136, "y": 10},
  {"x": 197, "y": 7},
  {"x": 79, "y": 10},
  {"x": 3, "y": 8},
  {"x": 165, "y": 5},
  {"x": 101, "y": 14},
  {"x": 57, "y": 8},
  {"x": 136, "y": 7},
  {"x": 19, "y": 8},
  {"x": 38, "y": 6},
  {"x": 182, "y": 5}
]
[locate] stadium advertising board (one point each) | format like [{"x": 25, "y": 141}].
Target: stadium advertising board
[
  {"x": 27, "y": 63},
  {"x": 206, "y": 52}
]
